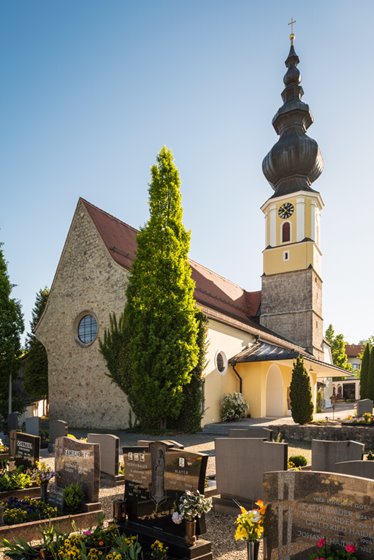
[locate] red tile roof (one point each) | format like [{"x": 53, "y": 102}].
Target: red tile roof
[
  {"x": 212, "y": 290},
  {"x": 353, "y": 350}
]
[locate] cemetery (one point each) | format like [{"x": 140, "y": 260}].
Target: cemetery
[{"x": 156, "y": 508}]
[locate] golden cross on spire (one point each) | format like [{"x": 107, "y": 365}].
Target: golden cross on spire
[{"x": 292, "y": 34}]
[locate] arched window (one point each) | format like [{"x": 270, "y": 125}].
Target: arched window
[{"x": 286, "y": 232}]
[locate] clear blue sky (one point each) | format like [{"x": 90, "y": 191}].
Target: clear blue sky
[{"x": 91, "y": 90}]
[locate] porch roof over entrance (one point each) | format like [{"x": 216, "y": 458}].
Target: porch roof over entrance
[{"x": 263, "y": 351}]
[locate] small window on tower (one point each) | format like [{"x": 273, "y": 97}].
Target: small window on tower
[
  {"x": 286, "y": 232},
  {"x": 286, "y": 256}
]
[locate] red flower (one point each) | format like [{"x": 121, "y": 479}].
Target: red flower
[
  {"x": 350, "y": 548},
  {"x": 321, "y": 543}
]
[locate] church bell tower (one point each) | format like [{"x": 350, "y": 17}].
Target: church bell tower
[{"x": 292, "y": 281}]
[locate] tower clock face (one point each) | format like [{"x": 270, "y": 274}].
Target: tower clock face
[{"x": 286, "y": 210}]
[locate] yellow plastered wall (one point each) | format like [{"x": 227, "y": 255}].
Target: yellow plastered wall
[
  {"x": 300, "y": 256},
  {"x": 231, "y": 341},
  {"x": 265, "y": 387}
]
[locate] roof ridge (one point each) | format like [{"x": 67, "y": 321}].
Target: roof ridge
[
  {"x": 223, "y": 277},
  {"x": 86, "y": 202}
]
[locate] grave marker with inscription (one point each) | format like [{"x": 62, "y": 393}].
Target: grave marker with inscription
[
  {"x": 27, "y": 446},
  {"x": 78, "y": 462},
  {"x": 306, "y": 506},
  {"x": 156, "y": 475}
]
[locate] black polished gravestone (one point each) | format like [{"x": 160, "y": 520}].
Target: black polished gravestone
[
  {"x": 156, "y": 476},
  {"x": 306, "y": 506},
  {"x": 27, "y": 446}
]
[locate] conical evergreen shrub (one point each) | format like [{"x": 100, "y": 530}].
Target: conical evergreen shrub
[
  {"x": 370, "y": 379},
  {"x": 364, "y": 373},
  {"x": 301, "y": 394}
]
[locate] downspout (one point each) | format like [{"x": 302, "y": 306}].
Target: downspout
[{"x": 238, "y": 376}]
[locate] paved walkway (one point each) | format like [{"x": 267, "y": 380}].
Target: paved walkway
[{"x": 200, "y": 438}]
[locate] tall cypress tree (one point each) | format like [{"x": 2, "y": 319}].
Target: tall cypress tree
[
  {"x": 35, "y": 376},
  {"x": 11, "y": 328},
  {"x": 370, "y": 378},
  {"x": 301, "y": 393},
  {"x": 159, "y": 328},
  {"x": 364, "y": 372}
]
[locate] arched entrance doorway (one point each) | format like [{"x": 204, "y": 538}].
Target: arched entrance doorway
[{"x": 274, "y": 392}]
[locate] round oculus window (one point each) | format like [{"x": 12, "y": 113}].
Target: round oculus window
[
  {"x": 87, "y": 329},
  {"x": 221, "y": 362}
]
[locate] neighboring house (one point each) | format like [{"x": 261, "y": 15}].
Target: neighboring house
[
  {"x": 253, "y": 337},
  {"x": 354, "y": 352}
]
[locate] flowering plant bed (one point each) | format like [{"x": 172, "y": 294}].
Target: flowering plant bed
[
  {"x": 333, "y": 552},
  {"x": 31, "y": 530},
  {"x": 98, "y": 544}
]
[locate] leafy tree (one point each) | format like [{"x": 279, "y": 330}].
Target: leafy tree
[
  {"x": 370, "y": 378},
  {"x": 189, "y": 419},
  {"x": 364, "y": 373},
  {"x": 159, "y": 329},
  {"x": 337, "y": 343},
  {"x": 11, "y": 328},
  {"x": 301, "y": 393},
  {"x": 35, "y": 376}
]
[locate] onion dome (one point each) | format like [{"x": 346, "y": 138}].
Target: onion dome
[{"x": 295, "y": 161}]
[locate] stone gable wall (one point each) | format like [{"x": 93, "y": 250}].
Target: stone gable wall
[{"x": 87, "y": 280}]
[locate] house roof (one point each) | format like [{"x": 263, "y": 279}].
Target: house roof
[
  {"x": 211, "y": 290},
  {"x": 264, "y": 351},
  {"x": 353, "y": 350}
]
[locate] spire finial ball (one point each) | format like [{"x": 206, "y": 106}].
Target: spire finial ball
[{"x": 292, "y": 37}]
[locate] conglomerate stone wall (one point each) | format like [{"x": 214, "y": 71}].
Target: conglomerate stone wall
[
  {"x": 361, "y": 434},
  {"x": 291, "y": 305},
  {"x": 87, "y": 281}
]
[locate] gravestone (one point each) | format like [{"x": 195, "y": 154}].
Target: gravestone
[
  {"x": 109, "y": 456},
  {"x": 77, "y": 462},
  {"x": 57, "y": 429},
  {"x": 240, "y": 466},
  {"x": 13, "y": 421},
  {"x": 364, "y": 469},
  {"x": 168, "y": 442},
  {"x": 326, "y": 453},
  {"x": 305, "y": 506},
  {"x": 27, "y": 446},
  {"x": 364, "y": 405},
  {"x": 252, "y": 432},
  {"x": 156, "y": 475},
  {"x": 32, "y": 425}
]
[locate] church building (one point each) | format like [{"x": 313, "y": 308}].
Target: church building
[{"x": 253, "y": 337}]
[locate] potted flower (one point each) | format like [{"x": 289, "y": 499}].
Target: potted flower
[
  {"x": 191, "y": 506},
  {"x": 333, "y": 552},
  {"x": 250, "y": 528},
  {"x": 42, "y": 475}
]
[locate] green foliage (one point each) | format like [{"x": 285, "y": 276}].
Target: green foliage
[
  {"x": 72, "y": 498},
  {"x": 158, "y": 331},
  {"x": 15, "y": 480},
  {"x": 35, "y": 376},
  {"x": 364, "y": 373},
  {"x": 189, "y": 419},
  {"x": 337, "y": 343},
  {"x": 298, "y": 460},
  {"x": 301, "y": 394},
  {"x": 370, "y": 377},
  {"x": 370, "y": 456},
  {"x": 11, "y": 328},
  {"x": 320, "y": 404},
  {"x": 233, "y": 407}
]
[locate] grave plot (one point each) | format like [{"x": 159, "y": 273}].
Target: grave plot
[
  {"x": 19, "y": 474},
  {"x": 157, "y": 475},
  {"x": 74, "y": 497}
]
